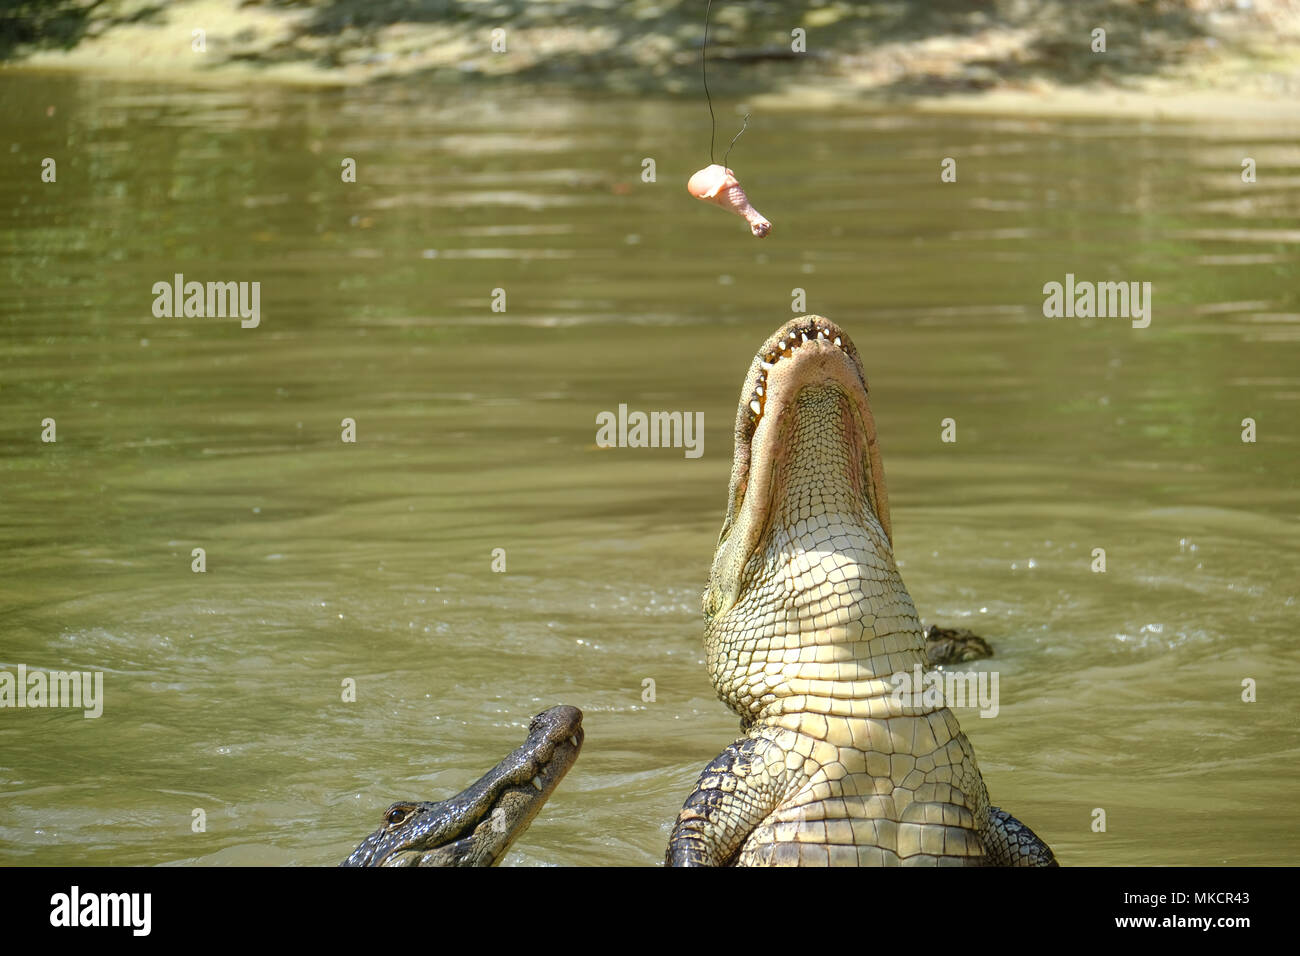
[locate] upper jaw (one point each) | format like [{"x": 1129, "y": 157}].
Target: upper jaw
[{"x": 787, "y": 348}]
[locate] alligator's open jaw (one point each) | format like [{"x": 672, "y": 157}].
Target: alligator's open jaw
[
  {"x": 808, "y": 367},
  {"x": 477, "y": 825}
]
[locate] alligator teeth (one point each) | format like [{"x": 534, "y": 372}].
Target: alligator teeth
[
  {"x": 785, "y": 348},
  {"x": 537, "y": 783},
  {"x": 574, "y": 740}
]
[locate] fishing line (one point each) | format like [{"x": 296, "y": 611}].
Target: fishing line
[
  {"x": 743, "y": 127},
  {"x": 704, "y": 75}
]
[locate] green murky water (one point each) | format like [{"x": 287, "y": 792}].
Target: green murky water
[{"x": 372, "y": 561}]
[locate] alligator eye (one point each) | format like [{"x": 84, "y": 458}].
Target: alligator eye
[{"x": 395, "y": 815}]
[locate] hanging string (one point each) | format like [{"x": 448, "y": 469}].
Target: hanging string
[
  {"x": 743, "y": 127},
  {"x": 704, "y": 75}
]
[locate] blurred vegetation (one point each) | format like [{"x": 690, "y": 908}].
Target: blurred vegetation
[
  {"x": 27, "y": 25},
  {"x": 42, "y": 23},
  {"x": 904, "y": 46}
]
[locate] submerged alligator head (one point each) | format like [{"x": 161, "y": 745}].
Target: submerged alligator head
[
  {"x": 478, "y": 825},
  {"x": 807, "y": 533}
]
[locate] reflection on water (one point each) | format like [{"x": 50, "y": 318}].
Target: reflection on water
[{"x": 372, "y": 561}]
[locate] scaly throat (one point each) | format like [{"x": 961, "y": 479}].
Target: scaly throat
[
  {"x": 830, "y": 444},
  {"x": 824, "y": 466}
]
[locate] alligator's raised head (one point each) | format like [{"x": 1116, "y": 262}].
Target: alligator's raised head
[
  {"x": 477, "y": 825},
  {"x": 806, "y": 621},
  {"x": 806, "y": 542}
]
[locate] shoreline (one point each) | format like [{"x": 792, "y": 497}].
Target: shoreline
[
  {"x": 1248, "y": 72},
  {"x": 1048, "y": 102}
]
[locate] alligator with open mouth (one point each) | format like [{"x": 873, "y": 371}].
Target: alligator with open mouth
[{"x": 806, "y": 619}]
